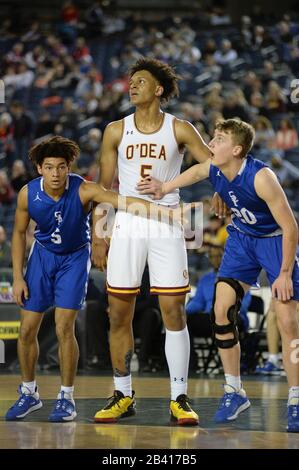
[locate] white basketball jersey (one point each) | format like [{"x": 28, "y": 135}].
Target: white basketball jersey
[{"x": 155, "y": 154}]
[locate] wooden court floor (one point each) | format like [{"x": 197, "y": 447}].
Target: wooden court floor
[{"x": 262, "y": 426}]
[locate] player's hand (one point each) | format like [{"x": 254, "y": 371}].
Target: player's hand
[
  {"x": 99, "y": 252},
  {"x": 219, "y": 207},
  {"x": 151, "y": 186},
  {"x": 20, "y": 291},
  {"x": 282, "y": 287}
]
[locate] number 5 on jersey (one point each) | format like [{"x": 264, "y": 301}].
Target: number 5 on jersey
[
  {"x": 145, "y": 171},
  {"x": 56, "y": 237}
]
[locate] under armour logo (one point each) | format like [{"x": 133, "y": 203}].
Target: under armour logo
[
  {"x": 129, "y": 132},
  {"x": 37, "y": 198},
  {"x": 218, "y": 173}
]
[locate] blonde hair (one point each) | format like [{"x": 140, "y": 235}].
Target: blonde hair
[{"x": 242, "y": 133}]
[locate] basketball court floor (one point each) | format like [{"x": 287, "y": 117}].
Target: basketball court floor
[{"x": 261, "y": 427}]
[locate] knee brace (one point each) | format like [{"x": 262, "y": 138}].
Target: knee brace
[{"x": 232, "y": 315}]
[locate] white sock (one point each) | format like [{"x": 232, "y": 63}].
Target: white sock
[
  {"x": 177, "y": 351},
  {"x": 29, "y": 386},
  {"x": 274, "y": 359},
  {"x": 233, "y": 381},
  {"x": 123, "y": 384},
  {"x": 68, "y": 393},
  {"x": 294, "y": 395}
]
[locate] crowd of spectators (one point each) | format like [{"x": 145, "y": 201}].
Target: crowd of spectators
[{"x": 68, "y": 77}]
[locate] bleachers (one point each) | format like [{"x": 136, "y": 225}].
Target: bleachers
[
  {"x": 292, "y": 156},
  {"x": 107, "y": 52}
]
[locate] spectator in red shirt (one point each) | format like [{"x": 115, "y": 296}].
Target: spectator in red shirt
[
  {"x": 70, "y": 13},
  {"x": 81, "y": 53}
]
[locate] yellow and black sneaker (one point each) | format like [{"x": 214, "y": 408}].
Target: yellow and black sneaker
[
  {"x": 181, "y": 412},
  {"x": 118, "y": 406}
]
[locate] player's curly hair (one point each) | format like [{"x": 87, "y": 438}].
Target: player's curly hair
[
  {"x": 54, "y": 147},
  {"x": 242, "y": 133},
  {"x": 162, "y": 72}
]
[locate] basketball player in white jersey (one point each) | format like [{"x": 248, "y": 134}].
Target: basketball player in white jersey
[{"x": 148, "y": 142}]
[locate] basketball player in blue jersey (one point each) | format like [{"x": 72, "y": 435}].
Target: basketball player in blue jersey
[
  {"x": 263, "y": 234},
  {"x": 58, "y": 265}
]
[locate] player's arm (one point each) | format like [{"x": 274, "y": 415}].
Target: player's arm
[
  {"x": 158, "y": 189},
  {"x": 108, "y": 163},
  {"x": 268, "y": 188},
  {"x": 188, "y": 136},
  {"x": 22, "y": 220},
  {"x": 94, "y": 192},
  {"x": 108, "y": 156}
]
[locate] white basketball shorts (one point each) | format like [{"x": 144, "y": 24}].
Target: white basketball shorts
[{"x": 137, "y": 240}]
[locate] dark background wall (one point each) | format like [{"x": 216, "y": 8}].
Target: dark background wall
[{"x": 51, "y": 8}]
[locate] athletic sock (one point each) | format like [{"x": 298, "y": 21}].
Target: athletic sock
[
  {"x": 123, "y": 384},
  {"x": 177, "y": 351},
  {"x": 274, "y": 359},
  {"x": 293, "y": 395},
  {"x": 233, "y": 381},
  {"x": 31, "y": 386},
  {"x": 68, "y": 393}
]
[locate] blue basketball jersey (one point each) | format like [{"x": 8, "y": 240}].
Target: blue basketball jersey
[
  {"x": 250, "y": 214},
  {"x": 62, "y": 226}
]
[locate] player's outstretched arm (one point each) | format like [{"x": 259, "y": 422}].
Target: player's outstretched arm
[
  {"x": 268, "y": 188},
  {"x": 157, "y": 189},
  {"x": 189, "y": 137},
  {"x": 22, "y": 220},
  {"x": 94, "y": 192}
]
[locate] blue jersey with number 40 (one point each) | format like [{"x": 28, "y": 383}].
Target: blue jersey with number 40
[
  {"x": 62, "y": 226},
  {"x": 250, "y": 214}
]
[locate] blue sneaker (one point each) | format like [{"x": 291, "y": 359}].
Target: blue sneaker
[
  {"x": 293, "y": 415},
  {"x": 231, "y": 405},
  {"x": 268, "y": 369},
  {"x": 63, "y": 411},
  {"x": 26, "y": 403}
]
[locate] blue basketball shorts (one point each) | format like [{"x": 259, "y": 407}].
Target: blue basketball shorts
[
  {"x": 56, "y": 280},
  {"x": 245, "y": 256}
]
